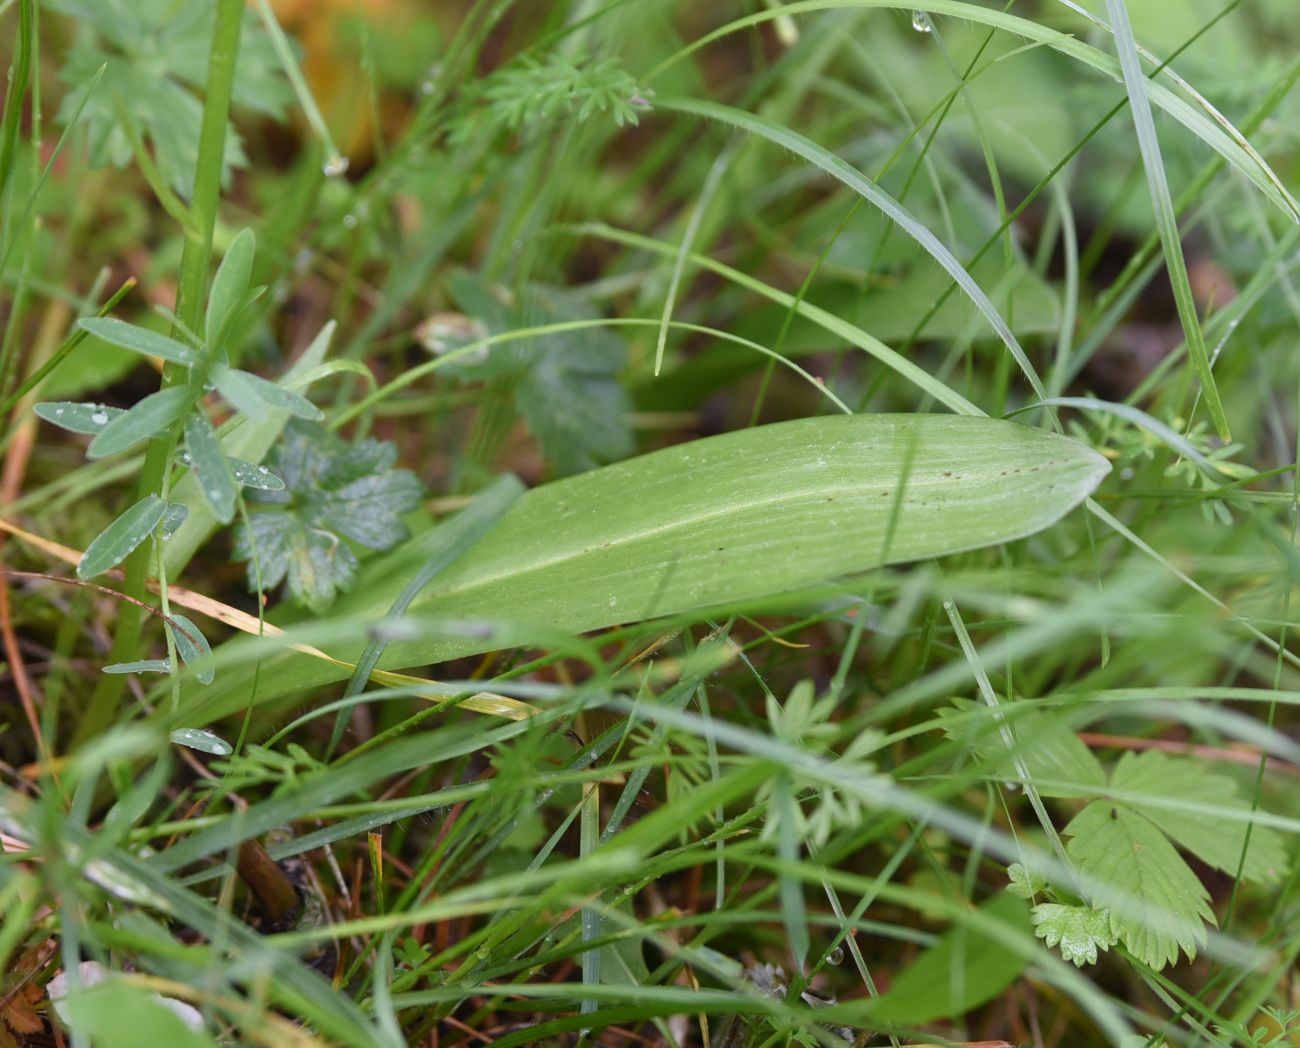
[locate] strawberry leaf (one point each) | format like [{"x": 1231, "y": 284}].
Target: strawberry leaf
[
  {"x": 1078, "y": 930},
  {"x": 1157, "y": 904}
]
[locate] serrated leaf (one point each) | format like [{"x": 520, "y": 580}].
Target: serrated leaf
[
  {"x": 253, "y": 394},
  {"x": 229, "y": 286},
  {"x": 191, "y": 646},
  {"x": 1157, "y": 904},
  {"x": 333, "y": 491},
  {"x": 147, "y": 418},
  {"x": 1023, "y": 882},
  {"x": 1057, "y": 761},
  {"x": 1214, "y": 839},
  {"x": 138, "y": 339},
  {"x": 566, "y": 385},
  {"x": 79, "y": 418},
  {"x": 117, "y": 541},
  {"x": 1078, "y": 930},
  {"x": 157, "y": 59},
  {"x": 215, "y": 477}
]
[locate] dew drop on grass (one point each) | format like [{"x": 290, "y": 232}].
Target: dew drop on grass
[
  {"x": 350, "y": 221},
  {"x": 426, "y": 88},
  {"x": 921, "y": 22},
  {"x": 836, "y": 956},
  {"x": 99, "y": 418},
  {"x": 335, "y": 166}
]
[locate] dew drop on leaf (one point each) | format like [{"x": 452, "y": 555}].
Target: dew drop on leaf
[
  {"x": 921, "y": 22},
  {"x": 335, "y": 166}
]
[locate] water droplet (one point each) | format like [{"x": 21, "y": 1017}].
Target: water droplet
[
  {"x": 921, "y": 22},
  {"x": 185, "y": 457},
  {"x": 350, "y": 221},
  {"x": 263, "y": 470},
  {"x": 335, "y": 166},
  {"x": 58, "y": 411},
  {"x": 426, "y": 88},
  {"x": 99, "y": 418},
  {"x": 836, "y": 956}
]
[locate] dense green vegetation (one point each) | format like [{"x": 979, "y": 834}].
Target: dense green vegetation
[{"x": 623, "y": 523}]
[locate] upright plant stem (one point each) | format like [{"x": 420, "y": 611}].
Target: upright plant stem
[{"x": 189, "y": 309}]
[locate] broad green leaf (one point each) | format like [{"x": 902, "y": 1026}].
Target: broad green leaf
[
  {"x": 253, "y": 395},
  {"x": 1214, "y": 839},
  {"x": 729, "y": 519},
  {"x": 1078, "y": 930},
  {"x": 965, "y": 968},
  {"x": 191, "y": 646},
  {"x": 138, "y": 339},
  {"x": 149, "y": 417},
  {"x": 211, "y": 465},
  {"x": 79, "y": 418},
  {"x": 116, "y": 542},
  {"x": 247, "y": 440},
  {"x": 1157, "y": 905},
  {"x": 229, "y": 286}
]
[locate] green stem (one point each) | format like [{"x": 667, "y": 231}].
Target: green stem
[
  {"x": 19, "y": 74},
  {"x": 189, "y": 311}
]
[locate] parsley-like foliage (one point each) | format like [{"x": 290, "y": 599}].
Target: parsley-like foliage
[{"x": 530, "y": 89}]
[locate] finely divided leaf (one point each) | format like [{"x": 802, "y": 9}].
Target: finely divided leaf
[
  {"x": 138, "y": 339},
  {"x": 1180, "y": 791},
  {"x": 1078, "y": 930},
  {"x": 147, "y": 418},
  {"x": 1157, "y": 904},
  {"x": 117, "y": 541}
]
